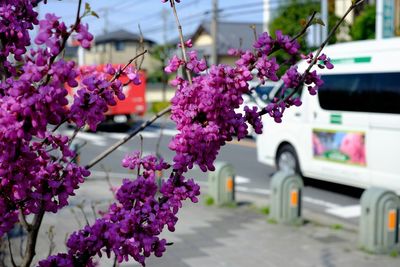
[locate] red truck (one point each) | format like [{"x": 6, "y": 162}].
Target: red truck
[{"x": 134, "y": 103}]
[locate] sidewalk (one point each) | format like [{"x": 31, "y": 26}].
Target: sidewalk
[{"x": 210, "y": 236}]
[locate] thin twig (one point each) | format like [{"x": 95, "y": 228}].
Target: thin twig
[
  {"x": 119, "y": 72},
  {"x": 11, "y": 252},
  {"x": 50, "y": 235},
  {"x": 304, "y": 30},
  {"x": 141, "y": 46},
  {"x": 81, "y": 208},
  {"x": 107, "y": 177},
  {"x": 178, "y": 24},
  {"x": 314, "y": 61},
  {"x": 23, "y": 221},
  {"x": 76, "y": 217},
  {"x": 93, "y": 207},
  {"x": 127, "y": 138}
]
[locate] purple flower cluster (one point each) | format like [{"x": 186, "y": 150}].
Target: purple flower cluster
[
  {"x": 34, "y": 180},
  {"x": 132, "y": 226},
  {"x": 37, "y": 173},
  {"x": 17, "y": 17},
  {"x": 194, "y": 64},
  {"x": 205, "y": 116},
  {"x": 265, "y": 44}
]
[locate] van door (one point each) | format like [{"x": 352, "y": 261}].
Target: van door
[
  {"x": 338, "y": 133},
  {"x": 384, "y": 134}
]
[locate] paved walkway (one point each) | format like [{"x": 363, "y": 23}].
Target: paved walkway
[
  {"x": 209, "y": 236},
  {"x": 217, "y": 237}
]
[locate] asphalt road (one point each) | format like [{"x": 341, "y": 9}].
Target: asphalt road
[{"x": 252, "y": 177}]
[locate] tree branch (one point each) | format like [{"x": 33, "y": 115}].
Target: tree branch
[
  {"x": 183, "y": 48},
  {"x": 30, "y": 249},
  {"x": 315, "y": 58},
  {"x": 11, "y": 252},
  {"x": 126, "y": 139},
  {"x": 23, "y": 221}
]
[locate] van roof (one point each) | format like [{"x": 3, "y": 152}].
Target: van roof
[{"x": 362, "y": 56}]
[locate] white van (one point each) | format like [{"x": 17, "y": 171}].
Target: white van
[{"x": 349, "y": 133}]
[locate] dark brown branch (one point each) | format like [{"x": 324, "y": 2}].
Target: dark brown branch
[
  {"x": 30, "y": 249},
  {"x": 11, "y": 252},
  {"x": 126, "y": 139},
  {"x": 22, "y": 220}
]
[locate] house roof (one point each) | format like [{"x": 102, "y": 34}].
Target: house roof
[
  {"x": 119, "y": 35},
  {"x": 230, "y": 35}
]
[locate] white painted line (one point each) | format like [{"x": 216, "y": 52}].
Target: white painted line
[
  {"x": 119, "y": 136},
  {"x": 91, "y": 137},
  {"x": 346, "y": 212},
  {"x": 320, "y": 202},
  {"x": 102, "y": 174},
  {"x": 253, "y": 190},
  {"x": 169, "y": 132},
  {"x": 241, "y": 180}
]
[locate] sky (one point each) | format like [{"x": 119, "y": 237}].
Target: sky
[{"x": 127, "y": 14}]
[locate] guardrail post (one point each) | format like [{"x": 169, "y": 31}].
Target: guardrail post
[
  {"x": 379, "y": 222},
  {"x": 221, "y": 183},
  {"x": 286, "y": 198}
]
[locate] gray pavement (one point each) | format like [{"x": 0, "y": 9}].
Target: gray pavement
[{"x": 218, "y": 236}]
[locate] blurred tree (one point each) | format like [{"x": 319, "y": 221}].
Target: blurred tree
[
  {"x": 291, "y": 18},
  {"x": 364, "y": 25},
  {"x": 160, "y": 53}
]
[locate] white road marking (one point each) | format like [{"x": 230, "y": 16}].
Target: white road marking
[
  {"x": 102, "y": 174},
  {"x": 346, "y": 212},
  {"x": 119, "y": 136},
  {"x": 320, "y": 202},
  {"x": 91, "y": 137},
  {"x": 253, "y": 190},
  {"x": 241, "y": 180}
]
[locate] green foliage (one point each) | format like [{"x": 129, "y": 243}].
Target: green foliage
[
  {"x": 364, "y": 25},
  {"x": 336, "y": 226},
  {"x": 291, "y": 19},
  {"x": 394, "y": 253},
  {"x": 209, "y": 200},
  {"x": 265, "y": 210},
  {"x": 159, "y": 105},
  {"x": 156, "y": 76},
  {"x": 272, "y": 221},
  {"x": 160, "y": 53}
]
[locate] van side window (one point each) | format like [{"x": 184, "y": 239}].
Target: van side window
[{"x": 366, "y": 92}]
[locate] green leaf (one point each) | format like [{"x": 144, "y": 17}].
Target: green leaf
[
  {"x": 318, "y": 21},
  {"x": 94, "y": 14},
  {"x": 87, "y": 7}
]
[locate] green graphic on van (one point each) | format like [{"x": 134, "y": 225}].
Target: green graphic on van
[
  {"x": 339, "y": 146},
  {"x": 336, "y": 119},
  {"x": 351, "y": 60}
]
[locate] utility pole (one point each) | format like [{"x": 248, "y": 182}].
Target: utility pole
[
  {"x": 105, "y": 11},
  {"x": 214, "y": 32},
  {"x": 324, "y": 17}
]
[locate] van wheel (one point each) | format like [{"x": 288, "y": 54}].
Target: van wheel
[{"x": 286, "y": 159}]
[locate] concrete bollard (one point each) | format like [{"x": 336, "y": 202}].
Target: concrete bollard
[
  {"x": 379, "y": 221},
  {"x": 221, "y": 184},
  {"x": 286, "y": 198}
]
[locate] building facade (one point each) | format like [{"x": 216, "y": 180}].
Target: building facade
[{"x": 119, "y": 47}]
